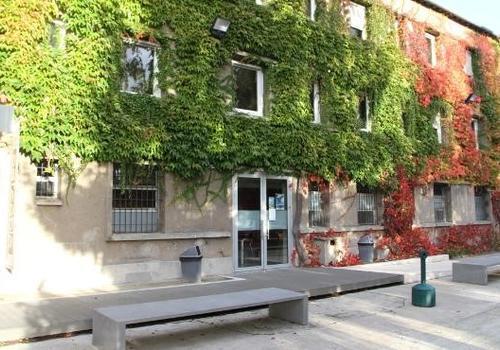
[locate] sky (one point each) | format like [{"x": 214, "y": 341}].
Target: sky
[{"x": 484, "y": 13}]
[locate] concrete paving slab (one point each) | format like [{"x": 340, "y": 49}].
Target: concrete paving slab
[
  {"x": 34, "y": 318},
  {"x": 466, "y": 317},
  {"x": 437, "y": 266}
]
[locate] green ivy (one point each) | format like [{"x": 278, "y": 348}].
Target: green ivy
[{"x": 70, "y": 105}]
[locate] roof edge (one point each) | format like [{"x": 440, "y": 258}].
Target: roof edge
[{"x": 453, "y": 16}]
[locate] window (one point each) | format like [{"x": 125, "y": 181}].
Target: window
[
  {"x": 431, "y": 49},
  {"x": 364, "y": 117},
  {"x": 315, "y": 103},
  {"x": 468, "y": 64},
  {"x": 436, "y": 124},
  {"x": 442, "y": 203},
  {"x": 311, "y": 9},
  {"x": 357, "y": 20},
  {"x": 475, "y": 131},
  {"x": 478, "y": 129},
  {"x": 135, "y": 199},
  {"x": 367, "y": 205},
  {"x": 57, "y": 35},
  {"x": 47, "y": 179},
  {"x": 140, "y": 65},
  {"x": 249, "y": 86},
  {"x": 481, "y": 201},
  {"x": 318, "y": 205}
]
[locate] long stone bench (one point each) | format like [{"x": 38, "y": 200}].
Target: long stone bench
[
  {"x": 475, "y": 270},
  {"x": 109, "y": 323}
]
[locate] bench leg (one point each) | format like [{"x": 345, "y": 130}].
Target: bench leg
[
  {"x": 293, "y": 311},
  {"x": 469, "y": 273},
  {"x": 107, "y": 334}
]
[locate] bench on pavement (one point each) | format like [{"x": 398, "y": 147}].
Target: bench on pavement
[
  {"x": 475, "y": 270},
  {"x": 109, "y": 323}
]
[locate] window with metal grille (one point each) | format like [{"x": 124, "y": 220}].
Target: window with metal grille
[
  {"x": 481, "y": 201},
  {"x": 318, "y": 206},
  {"x": 367, "y": 206},
  {"x": 47, "y": 179},
  {"x": 135, "y": 199},
  {"x": 442, "y": 205}
]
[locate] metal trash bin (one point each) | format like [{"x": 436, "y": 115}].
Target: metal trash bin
[
  {"x": 191, "y": 264},
  {"x": 365, "y": 248}
]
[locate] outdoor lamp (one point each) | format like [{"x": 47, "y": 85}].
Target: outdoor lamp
[
  {"x": 220, "y": 27},
  {"x": 471, "y": 98}
]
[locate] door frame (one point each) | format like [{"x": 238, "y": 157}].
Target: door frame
[{"x": 264, "y": 224}]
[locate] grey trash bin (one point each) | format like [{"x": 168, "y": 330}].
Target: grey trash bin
[
  {"x": 365, "y": 247},
  {"x": 191, "y": 264}
]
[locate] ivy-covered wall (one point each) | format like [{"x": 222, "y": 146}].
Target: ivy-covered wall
[{"x": 70, "y": 105}]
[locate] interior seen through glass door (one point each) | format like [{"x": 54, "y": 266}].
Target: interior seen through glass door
[
  {"x": 277, "y": 213},
  {"x": 249, "y": 223}
]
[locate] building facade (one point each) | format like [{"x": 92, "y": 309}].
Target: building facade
[{"x": 128, "y": 139}]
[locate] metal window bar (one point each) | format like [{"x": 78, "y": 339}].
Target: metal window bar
[
  {"x": 46, "y": 179},
  {"x": 317, "y": 215},
  {"x": 136, "y": 201},
  {"x": 481, "y": 203},
  {"x": 366, "y": 208},
  {"x": 439, "y": 208}
]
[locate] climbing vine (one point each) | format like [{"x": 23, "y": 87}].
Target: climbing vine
[{"x": 71, "y": 108}]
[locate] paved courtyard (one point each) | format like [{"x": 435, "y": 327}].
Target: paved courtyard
[{"x": 466, "y": 317}]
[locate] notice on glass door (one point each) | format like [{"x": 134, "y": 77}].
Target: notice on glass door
[{"x": 272, "y": 214}]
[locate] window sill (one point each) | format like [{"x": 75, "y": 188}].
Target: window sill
[
  {"x": 482, "y": 222},
  {"x": 360, "y": 228},
  {"x": 48, "y": 202},
  {"x": 247, "y": 113},
  {"x": 120, "y": 237}
]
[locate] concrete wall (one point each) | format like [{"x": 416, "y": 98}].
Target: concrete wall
[
  {"x": 462, "y": 206},
  {"x": 68, "y": 243}
]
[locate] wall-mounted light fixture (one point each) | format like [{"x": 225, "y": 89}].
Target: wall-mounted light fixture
[
  {"x": 220, "y": 27},
  {"x": 472, "y": 98}
]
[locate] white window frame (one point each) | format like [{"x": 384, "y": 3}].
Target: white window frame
[
  {"x": 468, "y": 63},
  {"x": 475, "y": 130},
  {"x": 54, "y": 178},
  {"x": 155, "y": 48},
  {"x": 361, "y": 27},
  {"x": 312, "y": 9},
  {"x": 436, "y": 124},
  {"x": 368, "y": 127},
  {"x": 260, "y": 89},
  {"x": 316, "y": 104},
  {"x": 432, "y": 39}
]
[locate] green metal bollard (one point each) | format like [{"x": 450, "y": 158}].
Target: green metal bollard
[{"x": 423, "y": 294}]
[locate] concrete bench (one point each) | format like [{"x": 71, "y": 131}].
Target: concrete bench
[
  {"x": 475, "y": 270},
  {"x": 109, "y": 323}
]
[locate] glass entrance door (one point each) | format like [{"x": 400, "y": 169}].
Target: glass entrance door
[
  {"x": 277, "y": 222},
  {"x": 262, "y": 222}
]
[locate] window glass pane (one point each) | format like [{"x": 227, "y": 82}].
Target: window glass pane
[
  {"x": 481, "y": 201},
  {"x": 138, "y": 68},
  {"x": 46, "y": 173},
  {"x": 135, "y": 199},
  {"x": 246, "y": 88},
  {"x": 355, "y": 32},
  {"x": 317, "y": 206},
  {"x": 363, "y": 113}
]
